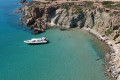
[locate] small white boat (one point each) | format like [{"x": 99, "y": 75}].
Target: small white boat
[{"x": 42, "y": 40}]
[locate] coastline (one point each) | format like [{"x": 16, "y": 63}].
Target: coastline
[
  {"x": 113, "y": 66},
  {"x": 113, "y": 63}
]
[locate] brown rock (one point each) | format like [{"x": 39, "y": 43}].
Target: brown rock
[
  {"x": 30, "y": 21},
  {"x": 38, "y": 30},
  {"x": 44, "y": 27},
  {"x": 37, "y": 12}
]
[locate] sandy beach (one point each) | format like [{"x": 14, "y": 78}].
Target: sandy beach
[{"x": 114, "y": 62}]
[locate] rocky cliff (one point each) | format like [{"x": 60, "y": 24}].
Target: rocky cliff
[{"x": 104, "y": 17}]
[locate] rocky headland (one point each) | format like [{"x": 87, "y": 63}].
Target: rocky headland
[{"x": 99, "y": 18}]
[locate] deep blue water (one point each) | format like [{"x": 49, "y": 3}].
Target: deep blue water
[{"x": 70, "y": 55}]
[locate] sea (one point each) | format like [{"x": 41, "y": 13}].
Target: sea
[{"x": 69, "y": 55}]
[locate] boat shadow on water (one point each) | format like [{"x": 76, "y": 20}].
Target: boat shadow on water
[{"x": 39, "y": 43}]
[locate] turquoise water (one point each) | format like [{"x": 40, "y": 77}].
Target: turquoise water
[{"x": 70, "y": 55}]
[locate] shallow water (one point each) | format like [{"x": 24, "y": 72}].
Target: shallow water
[{"x": 70, "y": 55}]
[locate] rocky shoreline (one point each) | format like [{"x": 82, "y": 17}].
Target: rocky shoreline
[
  {"x": 113, "y": 57},
  {"x": 101, "y": 19}
]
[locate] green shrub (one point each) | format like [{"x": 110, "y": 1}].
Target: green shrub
[
  {"x": 118, "y": 5},
  {"x": 79, "y": 9},
  {"x": 108, "y": 4},
  {"x": 71, "y": 3},
  {"x": 66, "y": 6},
  {"x": 108, "y": 32},
  {"x": 67, "y": 14},
  {"x": 89, "y": 4},
  {"x": 38, "y": 3}
]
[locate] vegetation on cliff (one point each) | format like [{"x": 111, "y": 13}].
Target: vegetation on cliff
[
  {"x": 79, "y": 9},
  {"x": 108, "y": 32}
]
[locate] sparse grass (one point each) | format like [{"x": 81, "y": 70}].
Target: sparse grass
[
  {"x": 67, "y": 14},
  {"x": 118, "y": 5},
  {"x": 35, "y": 4},
  {"x": 89, "y": 4},
  {"x": 71, "y": 3},
  {"x": 38, "y": 3},
  {"x": 111, "y": 5},
  {"x": 108, "y": 4},
  {"x": 79, "y": 9},
  {"x": 114, "y": 13},
  {"x": 108, "y": 32},
  {"x": 66, "y": 6}
]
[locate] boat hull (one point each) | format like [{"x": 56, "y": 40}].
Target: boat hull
[{"x": 36, "y": 41}]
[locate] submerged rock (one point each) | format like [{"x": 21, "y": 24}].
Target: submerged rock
[
  {"x": 97, "y": 59},
  {"x": 63, "y": 29},
  {"x": 38, "y": 30}
]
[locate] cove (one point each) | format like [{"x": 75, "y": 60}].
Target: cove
[{"x": 70, "y": 55}]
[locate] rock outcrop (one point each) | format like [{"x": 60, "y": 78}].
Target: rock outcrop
[
  {"x": 38, "y": 16},
  {"x": 44, "y": 15}
]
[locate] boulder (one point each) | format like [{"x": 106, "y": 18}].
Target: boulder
[
  {"x": 63, "y": 29},
  {"x": 38, "y": 30}
]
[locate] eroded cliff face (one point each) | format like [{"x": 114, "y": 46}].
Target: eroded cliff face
[
  {"x": 104, "y": 22},
  {"x": 40, "y": 16},
  {"x": 36, "y": 16}
]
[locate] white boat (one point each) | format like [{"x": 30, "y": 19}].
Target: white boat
[{"x": 42, "y": 40}]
